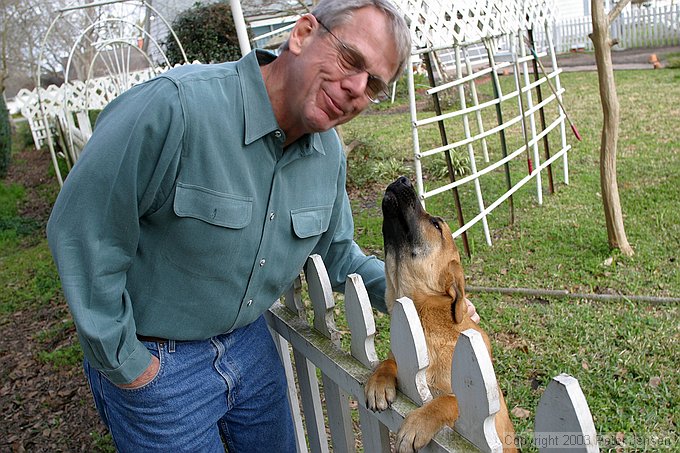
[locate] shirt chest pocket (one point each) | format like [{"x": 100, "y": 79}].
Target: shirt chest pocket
[
  {"x": 208, "y": 232},
  {"x": 310, "y": 222},
  {"x": 220, "y": 209}
]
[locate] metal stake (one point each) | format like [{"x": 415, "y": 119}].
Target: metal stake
[
  {"x": 449, "y": 164},
  {"x": 541, "y": 112},
  {"x": 499, "y": 115}
]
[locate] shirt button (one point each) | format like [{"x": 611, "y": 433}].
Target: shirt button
[
  {"x": 277, "y": 134},
  {"x": 262, "y": 261},
  {"x": 250, "y": 302},
  {"x": 271, "y": 216}
]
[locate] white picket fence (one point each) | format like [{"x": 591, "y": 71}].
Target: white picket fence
[
  {"x": 640, "y": 27},
  {"x": 562, "y": 414}
]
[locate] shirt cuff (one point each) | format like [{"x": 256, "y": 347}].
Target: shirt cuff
[{"x": 132, "y": 367}]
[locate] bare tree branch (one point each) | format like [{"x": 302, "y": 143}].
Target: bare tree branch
[{"x": 614, "y": 13}]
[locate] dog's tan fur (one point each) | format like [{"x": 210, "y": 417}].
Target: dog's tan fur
[{"x": 430, "y": 274}]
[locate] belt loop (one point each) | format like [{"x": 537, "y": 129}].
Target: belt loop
[{"x": 171, "y": 346}]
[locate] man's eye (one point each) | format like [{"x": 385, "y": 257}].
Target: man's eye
[{"x": 349, "y": 61}]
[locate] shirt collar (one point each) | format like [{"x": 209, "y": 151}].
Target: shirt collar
[
  {"x": 257, "y": 109},
  {"x": 258, "y": 113}
]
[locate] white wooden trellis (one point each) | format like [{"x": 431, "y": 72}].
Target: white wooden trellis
[
  {"x": 458, "y": 29},
  {"x": 306, "y": 346}
]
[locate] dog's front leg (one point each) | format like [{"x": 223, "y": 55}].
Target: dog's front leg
[
  {"x": 421, "y": 424},
  {"x": 381, "y": 388}
]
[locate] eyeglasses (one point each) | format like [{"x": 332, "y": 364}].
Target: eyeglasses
[{"x": 352, "y": 62}]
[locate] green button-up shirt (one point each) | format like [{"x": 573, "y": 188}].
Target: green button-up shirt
[{"x": 185, "y": 217}]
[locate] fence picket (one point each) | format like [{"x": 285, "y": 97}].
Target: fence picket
[
  {"x": 474, "y": 383},
  {"x": 337, "y": 400},
  {"x": 311, "y": 403},
  {"x": 563, "y": 419},
  {"x": 293, "y": 401},
  {"x": 360, "y": 321},
  {"x": 375, "y": 435},
  {"x": 410, "y": 351},
  {"x": 293, "y": 300}
]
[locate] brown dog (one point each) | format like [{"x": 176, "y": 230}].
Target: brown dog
[{"x": 423, "y": 263}]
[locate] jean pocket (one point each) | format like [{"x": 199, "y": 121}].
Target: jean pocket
[{"x": 157, "y": 351}]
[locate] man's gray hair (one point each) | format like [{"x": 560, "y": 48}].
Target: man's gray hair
[{"x": 334, "y": 13}]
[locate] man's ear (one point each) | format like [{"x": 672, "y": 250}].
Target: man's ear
[
  {"x": 456, "y": 290},
  {"x": 301, "y": 33}
]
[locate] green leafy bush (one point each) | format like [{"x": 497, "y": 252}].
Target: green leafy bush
[
  {"x": 207, "y": 34},
  {"x": 5, "y": 138}
]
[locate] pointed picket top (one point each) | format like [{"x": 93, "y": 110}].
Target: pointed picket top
[
  {"x": 407, "y": 340},
  {"x": 321, "y": 295},
  {"x": 360, "y": 321},
  {"x": 563, "y": 418},
  {"x": 473, "y": 381}
]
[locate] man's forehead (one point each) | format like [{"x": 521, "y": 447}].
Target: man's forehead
[{"x": 367, "y": 33}]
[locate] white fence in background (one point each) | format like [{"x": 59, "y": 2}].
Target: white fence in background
[
  {"x": 78, "y": 96},
  {"x": 306, "y": 347},
  {"x": 651, "y": 26}
]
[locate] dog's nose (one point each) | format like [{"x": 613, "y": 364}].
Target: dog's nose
[{"x": 405, "y": 181}]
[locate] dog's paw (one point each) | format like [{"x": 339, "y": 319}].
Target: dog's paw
[
  {"x": 421, "y": 425},
  {"x": 416, "y": 431},
  {"x": 381, "y": 388}
]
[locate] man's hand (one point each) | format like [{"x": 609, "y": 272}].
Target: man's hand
[
  {"x": 146, "y": 377},
  {"x": 472, "y": 312}
]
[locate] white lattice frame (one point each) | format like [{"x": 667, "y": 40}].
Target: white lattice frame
[{"x": 452, "y": 25}]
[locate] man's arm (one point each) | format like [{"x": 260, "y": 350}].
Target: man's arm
[{"x": 94, "y": 228}]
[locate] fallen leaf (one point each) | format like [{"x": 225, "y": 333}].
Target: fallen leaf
[
  {"x": 608, "y": 261},
  {"x": 584, "y": 365},
  {"x": 654, "y": 382},
  {"x": 520, "y": 412},
  {"x": 619, "y": 437}
]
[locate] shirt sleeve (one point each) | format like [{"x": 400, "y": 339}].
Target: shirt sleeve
[
  {"x": 126, "y": 170},
  {"x": 344, "y": 256}
]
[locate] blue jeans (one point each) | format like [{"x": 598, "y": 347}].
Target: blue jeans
[{"x": 230, "y": 388}]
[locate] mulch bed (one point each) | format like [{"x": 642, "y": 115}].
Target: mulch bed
[{"x": 42, "y": 407}]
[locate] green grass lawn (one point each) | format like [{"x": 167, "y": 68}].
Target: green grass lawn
[{"x": 624, "y": 354}]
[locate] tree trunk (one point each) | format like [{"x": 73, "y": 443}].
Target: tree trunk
[{"x": 610, "y": 129}]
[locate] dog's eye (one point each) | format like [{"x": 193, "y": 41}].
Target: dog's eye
[{"x": 435, "y": 222}]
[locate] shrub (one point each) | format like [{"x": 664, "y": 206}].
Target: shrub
[
  {"x": 5, "y": 138},
  {"x": 207, "y": 34}
]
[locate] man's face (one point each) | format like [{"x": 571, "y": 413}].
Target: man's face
[{"x": 331, "y": 93}]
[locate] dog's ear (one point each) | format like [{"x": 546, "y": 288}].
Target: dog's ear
[{"x": 456, "y": 290}]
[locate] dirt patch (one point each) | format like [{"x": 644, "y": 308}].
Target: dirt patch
[
  {"x": 31, "y": 169},
  {"x": 44, "y": 407}
]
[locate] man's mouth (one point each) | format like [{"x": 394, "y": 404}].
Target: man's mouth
[{"x": 336, "y": 109}]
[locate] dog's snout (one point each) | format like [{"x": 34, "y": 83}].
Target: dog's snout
[{"x": 404, "y": 180}]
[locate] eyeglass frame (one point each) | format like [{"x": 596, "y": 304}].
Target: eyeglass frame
[{"x": 351, "y": 55}]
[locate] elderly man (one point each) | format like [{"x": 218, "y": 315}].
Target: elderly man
[{"x": 194, "y": 206}]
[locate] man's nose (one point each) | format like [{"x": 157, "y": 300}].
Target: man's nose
[{"x": 356, "y": 83}]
